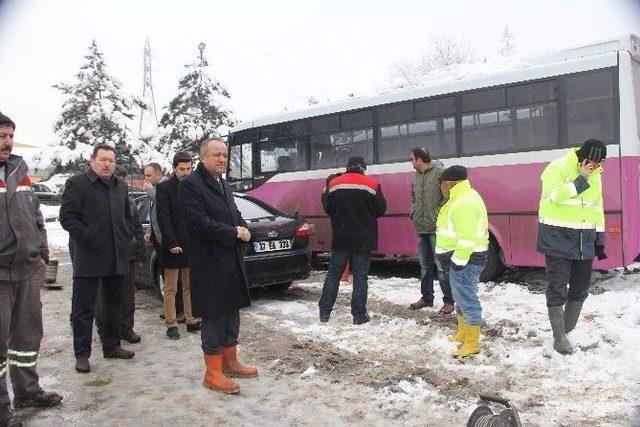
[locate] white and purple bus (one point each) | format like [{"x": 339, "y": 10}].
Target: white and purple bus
[{"x": 505, "y": 128}]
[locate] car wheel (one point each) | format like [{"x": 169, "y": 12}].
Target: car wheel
[
  {"x": 280, "y": 287},
  {"x": 495, "y": 266}
]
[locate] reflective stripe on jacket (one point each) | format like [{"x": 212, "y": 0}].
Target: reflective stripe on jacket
[
  {"x": 462, "y": 225},
  {"x": 571, "y": 213}
]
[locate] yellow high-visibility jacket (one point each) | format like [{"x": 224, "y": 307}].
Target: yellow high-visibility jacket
[
  {"x": 571, "y": 214},
  {"x": 462, "y": 227}
]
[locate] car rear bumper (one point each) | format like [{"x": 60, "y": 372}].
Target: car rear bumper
[{"x": 270, "y": 268}]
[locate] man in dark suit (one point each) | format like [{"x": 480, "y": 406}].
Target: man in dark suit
[
  {"x": 216, "y": 234},
  {"x": 174, "y": 254},
  {"x": 95, "y": 211}
]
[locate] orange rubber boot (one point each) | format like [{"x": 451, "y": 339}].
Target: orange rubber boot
[
  {"x": 234, "y": 368},
  {"x": 215, "y": 379}
]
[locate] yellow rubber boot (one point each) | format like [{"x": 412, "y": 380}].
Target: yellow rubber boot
[
  {"x": 459, "y": 335},
  {"x": 471, "y": 343}
]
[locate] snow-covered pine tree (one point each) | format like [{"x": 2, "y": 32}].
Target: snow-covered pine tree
[
  {"x": 195, "y": 113},
  {"x": 95, "y": 112}
]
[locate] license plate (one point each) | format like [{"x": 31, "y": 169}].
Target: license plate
[{"x": 272, "y": 245}]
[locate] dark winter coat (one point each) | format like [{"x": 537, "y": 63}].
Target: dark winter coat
[
  {"x": 218, "y": 279},
  {"x": 171, "y": 224},
  {"x": 23, "y": 238},
  {"x": 97, "y": 216},
  {"x": 137, "y": 241},
  {"x": 354, "y": 202}
]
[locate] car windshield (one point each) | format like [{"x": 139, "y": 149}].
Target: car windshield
[{"x": 250, "y": 210}]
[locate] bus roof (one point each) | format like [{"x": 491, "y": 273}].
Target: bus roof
[{"x": 475, "y": 76}]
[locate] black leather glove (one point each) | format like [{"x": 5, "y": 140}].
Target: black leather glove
[
  {"x": 456, "y": 267},
  {"x": 600, "y": 252}
]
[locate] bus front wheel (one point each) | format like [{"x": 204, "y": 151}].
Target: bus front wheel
[{"x": 495, "y": 266}]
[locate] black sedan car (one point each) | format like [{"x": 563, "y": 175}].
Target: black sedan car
[
  {"x": 44, "y": 193},
  {"x": 277, "y": 254}
]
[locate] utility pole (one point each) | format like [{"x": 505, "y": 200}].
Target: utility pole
[{"x": 148, "y": 116}]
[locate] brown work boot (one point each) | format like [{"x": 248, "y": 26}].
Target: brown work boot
[
  {"x": 214, "y": 378},
  {"x": 421, "y": 303},
  {"x": 234, "y": 368},
  {"x": 446, "y": 308},
  {"x": 40, "y": 399}
]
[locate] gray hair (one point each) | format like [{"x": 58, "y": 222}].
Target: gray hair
[{"x": 205, "y": 143}]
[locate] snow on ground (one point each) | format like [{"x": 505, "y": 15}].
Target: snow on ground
[
  {"x": 599, "y": 382},
  {"x": 57, "y": 237}
]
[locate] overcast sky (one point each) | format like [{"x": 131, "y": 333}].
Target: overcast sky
[{"x": 267, "y": 54}]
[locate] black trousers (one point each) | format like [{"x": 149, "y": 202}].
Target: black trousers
[
  {"x": 83, "y": 302},
  {"x": 562, "y": 272},
  {"x": 128, "y": 306},
  {"x": 220, "y": 332}
]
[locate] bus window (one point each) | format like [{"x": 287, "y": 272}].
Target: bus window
[
  {"x": 290, "y": 129},
  {"x": 235, "y": 162},
  {"x": 283, "y": 155},
  {"x": 240, "y": 162},
  {"x": 487, "y": 132},
  {"x": 397, "y": 113},
  {"x": 536, "y": 114},
  {"x": 332, "y": 150},
  {"x": 359, "y": 119},
  {"x": 537, "y": 126},
  {"x": 438, "y": 107},
  {"x": 437, "y": 135},
  {"x": 325, "y": 124},
  {"x": 590, "y": 112}
]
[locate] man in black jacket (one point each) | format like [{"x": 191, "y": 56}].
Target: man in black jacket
[
  {"x": 95, "y": 211},
  {"x": 354, "y": 202},
  {"x": 128, "y": 311},
  {"x": 216, "y": 234},
  {"x": 174, "y": 250}
]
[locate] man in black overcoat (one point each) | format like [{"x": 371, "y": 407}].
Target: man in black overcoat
[
  {"x": 216, "y": 234},
  {"x": 173, "y": 246},
  {"x": 95, "y": 211}
]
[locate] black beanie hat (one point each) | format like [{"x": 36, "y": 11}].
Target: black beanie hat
[
  {"x": 355, "y": 163},
  {"x": 4, "y": 120},
  {"x": 454, "y": 173},
  {"x": 592, "y": 149}
]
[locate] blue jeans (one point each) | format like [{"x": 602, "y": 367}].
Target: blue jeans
[
  {"x": 464, "y": 284},
  {"x": 359, "y": 264},
  {"x": 427, "y": 253}
]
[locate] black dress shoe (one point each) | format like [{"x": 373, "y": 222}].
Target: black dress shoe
[
  {"x": 82, "y": 365},
  {"x": 8, "y": 418},
  {"x": 361, "y": 320},
  {"x": 131, "y": 337},
  {"x": 195, "y": 327},
  {"x": 119, "y": 353},
  {"x": 41, "y": 399},
  {"x": 173, "y": 333}
]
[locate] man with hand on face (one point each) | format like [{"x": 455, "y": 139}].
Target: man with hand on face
[
  {"x": 95, "y": 211},
  {"x": 174, "y": 238},
  {"x": 23, "y": 251},
  {"x": 571, "y": 233},
  {"x": 216, "y": 234}
]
